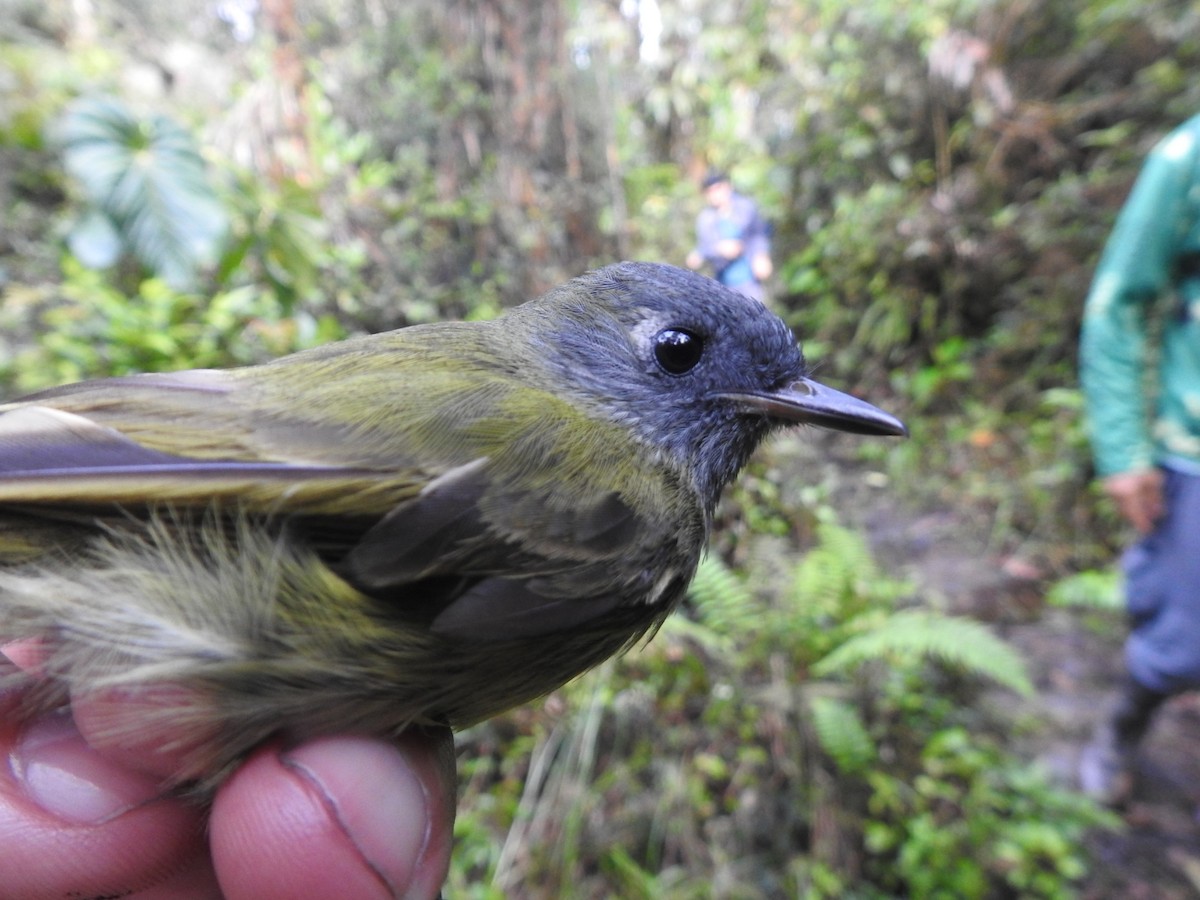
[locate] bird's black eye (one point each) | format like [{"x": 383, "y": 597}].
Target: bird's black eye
[{"x": 677, "y": 351}]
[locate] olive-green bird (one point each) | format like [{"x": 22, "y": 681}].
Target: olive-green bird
[{"x": 429, "y": 525}]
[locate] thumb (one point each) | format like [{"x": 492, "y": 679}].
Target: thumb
[{"x": 337, "y": 817}]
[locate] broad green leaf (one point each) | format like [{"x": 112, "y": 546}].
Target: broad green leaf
[
  {"x": 147, "y": 177},
  {"x": 94, "y": 240}
]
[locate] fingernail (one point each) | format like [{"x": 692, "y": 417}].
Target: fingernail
[
  {"x": 64, "y": 776},
  {"x": 373, "y": 792}
]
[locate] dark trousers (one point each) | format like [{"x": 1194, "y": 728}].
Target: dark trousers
[
  {"x": 1162, "y": 589},
  {"x": 1136, "y": 706}
]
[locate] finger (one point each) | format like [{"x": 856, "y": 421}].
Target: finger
[
  {"x": 74, "y": 824},
  {"x": 165, "y": 730},
  {"x": 1133, "y": 510},
  {"x": 1139, "y": 497},
  {"x": 1143, "y": 508},
  {"x": 1153, "y": 503},
  {"x": 348, "y": 817}
]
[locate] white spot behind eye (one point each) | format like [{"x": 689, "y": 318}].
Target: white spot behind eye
[{"x": 644, "y": 332}]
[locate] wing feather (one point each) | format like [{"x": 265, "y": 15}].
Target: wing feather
[{"x": 48, "y": 455}]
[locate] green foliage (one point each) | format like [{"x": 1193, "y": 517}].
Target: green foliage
[
  {"x": 279, "y": 239},
  {"x": 836, "y": 590},
  {"x": 723, "y": 605},
  {"x": 464, "y": 205},
  {"x": 971, "y": 818},
  {"x": 842, "y": 734},
  {"x": 859, "y": 299},
  {"x": 971, "y": 822},
  {"x": 911, "y": 634},
  {"x": 948, "y": 370},
  {"x": 92, "y": 329},
  {"x": 1092, "y": 589},
  {"x": 147, "y": 191},
  {"x": 654, "y": 195},
  {"x": 37, "y": 81},
  {"x": 943, "y": 232}
]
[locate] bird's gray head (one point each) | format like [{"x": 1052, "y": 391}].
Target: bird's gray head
[{"x": 697, "y": 371}]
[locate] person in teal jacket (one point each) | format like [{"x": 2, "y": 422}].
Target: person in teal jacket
[{"x": 1147, "y": 442}]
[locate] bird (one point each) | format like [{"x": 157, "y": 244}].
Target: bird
[{"x": 425, "y": 526}]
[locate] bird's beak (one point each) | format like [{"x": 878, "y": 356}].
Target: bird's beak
[{"x": 812, "y": 403}]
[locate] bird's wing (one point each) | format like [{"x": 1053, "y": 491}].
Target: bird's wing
[
  {"x": 183, "y": 439},
  {"x": 529, "y": 561},
  {"x": 464, "y": 518},
  {"x": 489, "y": 554}
]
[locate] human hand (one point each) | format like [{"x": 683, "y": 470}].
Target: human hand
[
  {"x": 1138, "y": 495},
  {"x": 346, "y": 817},
  {"x": 694, "y": 260},
  {"x": 729, "y": 248},
  {"x": 761, "y": 266}
]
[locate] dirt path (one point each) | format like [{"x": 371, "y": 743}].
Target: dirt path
[
  {"x": 1075, "y": 660},
  {"x": 1158, "y": 855}
]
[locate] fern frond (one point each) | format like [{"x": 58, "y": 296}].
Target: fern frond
[
  {"x": 825, "y": 576},
  {"x": 841, "y": 734},
  {"x": 722, "y": 600},
  {"x": 850, "y": 547},
  {"x": 1095, "y": 589},
  {"x": 839, "y": 576},
  {"x": 921, "y": 633}
]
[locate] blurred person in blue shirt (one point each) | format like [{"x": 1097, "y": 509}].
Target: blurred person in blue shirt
[{"x": 732, "y": 238}]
